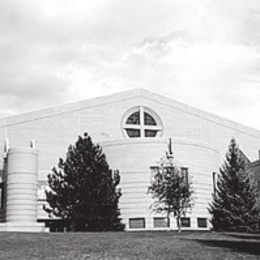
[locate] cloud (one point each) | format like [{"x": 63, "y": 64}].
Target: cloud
[{"x": 204, "y": 53}]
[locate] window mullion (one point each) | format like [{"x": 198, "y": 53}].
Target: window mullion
[
  {"x": 151, "y": 127},
  {"x": 131, "y": 126},
  {"x": 141, "y": 111}
]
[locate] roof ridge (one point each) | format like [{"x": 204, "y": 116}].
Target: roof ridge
[{"x": 120, "y": 96}]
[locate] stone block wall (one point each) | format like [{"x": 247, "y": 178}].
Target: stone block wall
[{"x": 199, "y": 141}]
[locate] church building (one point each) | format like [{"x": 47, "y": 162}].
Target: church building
[{"x": 134, "y": 129}]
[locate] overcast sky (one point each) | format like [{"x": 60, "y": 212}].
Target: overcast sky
[{"x": 204, "y": 53}]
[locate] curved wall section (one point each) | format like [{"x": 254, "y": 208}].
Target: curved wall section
[
  {"x": 201, "y": 160},
  {"x": 21, "y": 186},
  {"x": 133, "y": 158}
]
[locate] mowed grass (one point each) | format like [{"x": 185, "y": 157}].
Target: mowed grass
[{"x": 129, "y": 245}]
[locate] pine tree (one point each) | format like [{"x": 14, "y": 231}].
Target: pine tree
[
  {"x": 171, "y": 190},
  {"x": 235, "y": 202},
  {"x": 83, "y": 190}
]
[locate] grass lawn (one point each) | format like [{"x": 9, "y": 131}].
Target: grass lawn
[{"x": 129, "y": 245}]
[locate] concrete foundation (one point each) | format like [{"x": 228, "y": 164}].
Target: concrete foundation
[{"x": 30, "y": 227}]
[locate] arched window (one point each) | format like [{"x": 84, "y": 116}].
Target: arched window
[{"x": 141, "y": 122}]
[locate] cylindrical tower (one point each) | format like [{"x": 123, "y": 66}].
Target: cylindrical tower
[
  {"x": 136, "y": 158},
  {"x": 21, "y": 185}
]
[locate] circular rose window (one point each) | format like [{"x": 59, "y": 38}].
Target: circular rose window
[{"x": 141, "y": 122}]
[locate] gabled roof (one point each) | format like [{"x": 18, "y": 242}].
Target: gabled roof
[
  {"x": 120, "y": 97},
  {"x": 245, "y": 158}
]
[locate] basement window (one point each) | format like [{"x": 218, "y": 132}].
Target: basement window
[
  {"x": 185, "y": 222},
  {"x": 202, "y": 222},
  {"x": 161, "y": 222},
  {"x": 136, "y": 223}
]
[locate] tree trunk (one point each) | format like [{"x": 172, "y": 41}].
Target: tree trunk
[{"x": 179, "y": 224}]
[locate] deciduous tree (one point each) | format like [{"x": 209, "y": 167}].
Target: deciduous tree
[{"x": 171, "y": 190}]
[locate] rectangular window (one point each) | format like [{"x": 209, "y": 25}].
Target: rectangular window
[
  {"x": 202, "y": 222},
  {"x": 185, "y": 222},
  {"x": 161, "y": 222},
  {"x": 153, "y": 171},
  {"x": 1, "y": 195},
  {"x": 136, "y": 223},
  {"x": 185, "y": 174},
  {"x": 214, "y": 183}
]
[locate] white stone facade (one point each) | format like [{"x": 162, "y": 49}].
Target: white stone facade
[
  {"x": 199, "y": 142},
  {"x": 21, "y": 177}
]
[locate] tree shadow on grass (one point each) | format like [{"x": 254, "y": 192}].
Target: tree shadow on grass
[
  {"x": 244, "y": 236},
  {"x": 250, "y": 247}
]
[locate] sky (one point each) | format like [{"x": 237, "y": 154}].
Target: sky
[{"x": 204, "y": 53}]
